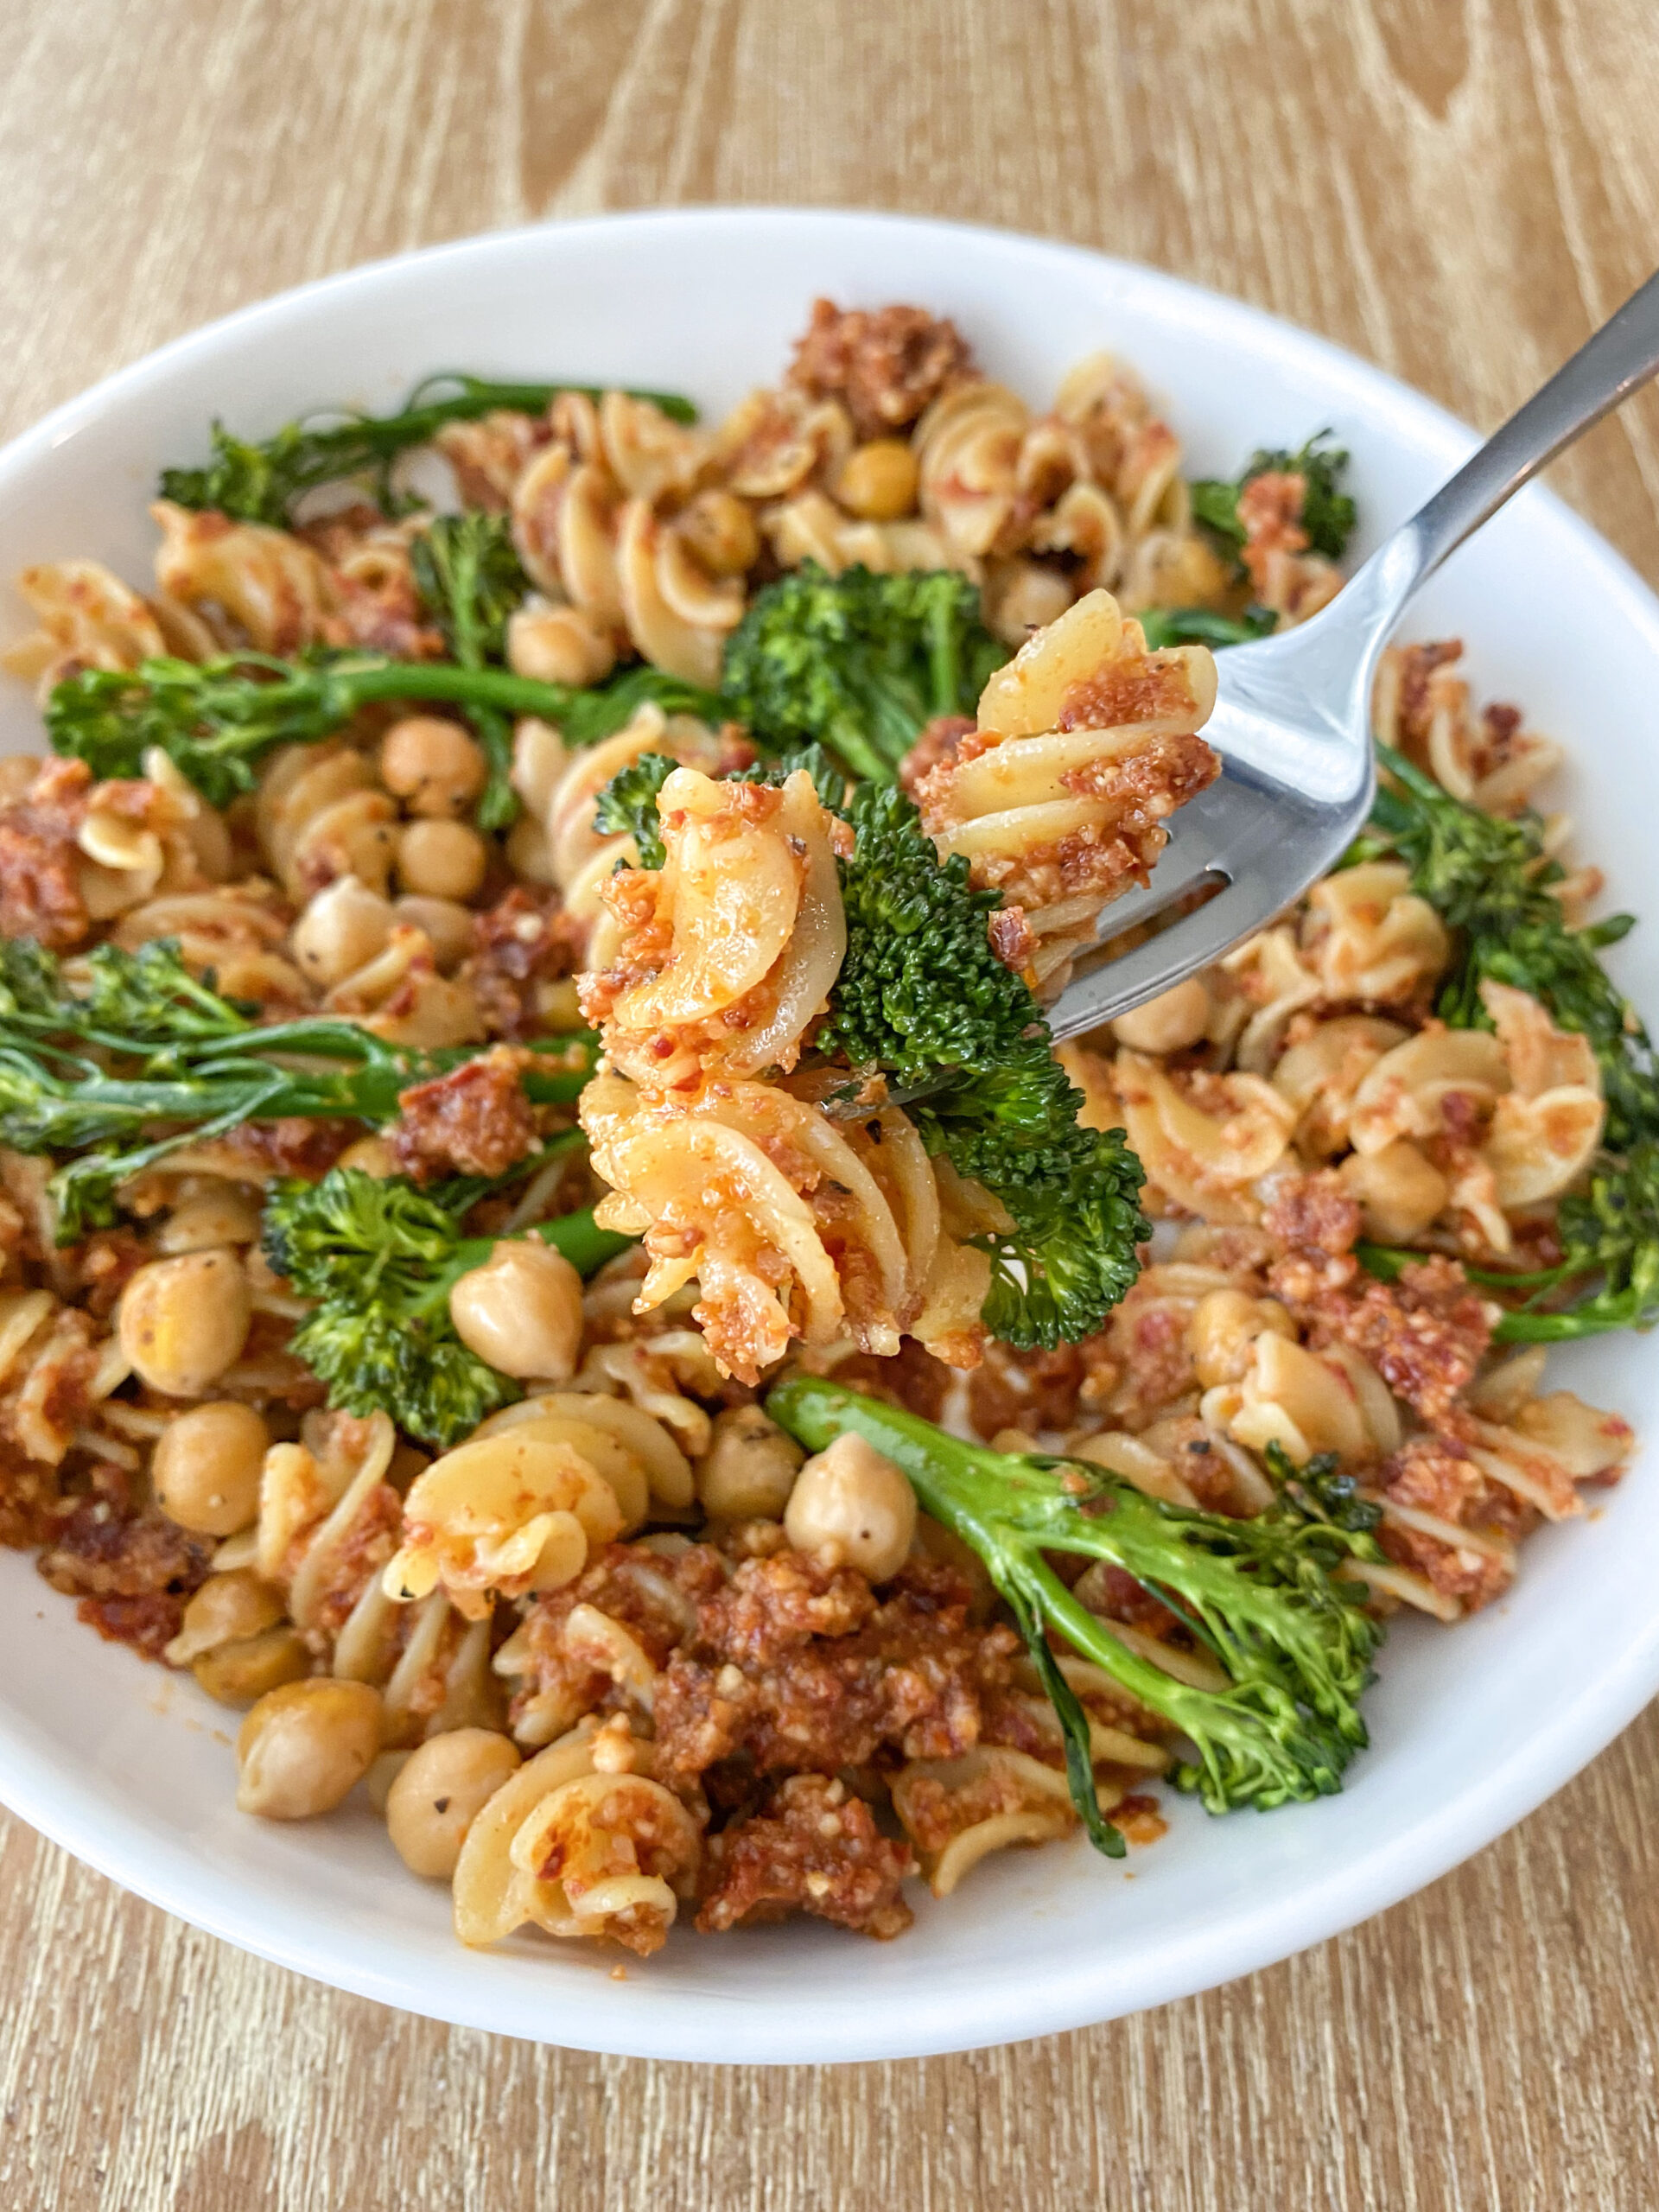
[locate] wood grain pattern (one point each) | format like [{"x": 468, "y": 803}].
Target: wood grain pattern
[{"x": 1457, "y": 189}]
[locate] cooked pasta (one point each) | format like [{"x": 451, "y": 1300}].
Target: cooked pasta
[
  {"x": 1085, "y": 744},
  {"x": 311, "y": 1400}
]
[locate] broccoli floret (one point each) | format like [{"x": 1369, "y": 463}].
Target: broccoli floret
[
  {"x": 467, "y": 574},
  {"x": 628, "y": 806},
  {"x": 94, "y": 1073},
  {"x": 381, "y": 1257},
  {"x": 260, "y": 482},
  {"x": 216, "y": 720},
  {"x": 1261, "y": 1598},
  {"x": 1328, "y": 512},
  {"x": 920, "y": 985},
  {"x": 858, "y": 662},
  {"x": 1319, "y": 1491},
  {"x": 1198, "y": 625},
  {"x": 923, "y": 997}
]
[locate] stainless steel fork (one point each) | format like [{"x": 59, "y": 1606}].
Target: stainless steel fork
[{"x": 1292, "y": 721}]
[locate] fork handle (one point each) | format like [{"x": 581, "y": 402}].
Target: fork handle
[{"x": 1617, "y": 361}]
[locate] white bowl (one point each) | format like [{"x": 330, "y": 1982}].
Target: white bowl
[{"x": 132, "y": 1769}]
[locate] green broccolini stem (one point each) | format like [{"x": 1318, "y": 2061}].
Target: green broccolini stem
[
  {"x": 198, "y": 1066},
  {"x": 259, "y": 482},
  {"x": 576, "y": 1235},
  {"x": 1293, "y": 1644},
  {"x": 216, "y": 720}
]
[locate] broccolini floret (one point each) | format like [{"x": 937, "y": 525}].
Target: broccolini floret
[
  {"x": 380, "y": 1258},
  {"x": 1328, "y": 512},
  {"x": 259, "y": 482},
  {"x": 470, "y": 582},
  {"x": 858, "y": 662},
  {"x": 922, "y": 996},
  {"x": 1198, "y": 625},
  {"x": 148, "y": 1058},
  {"x": 628, "y": 806},
  {"x": 216, "y": 720},
  {"x": 1261, "y": 1598}
]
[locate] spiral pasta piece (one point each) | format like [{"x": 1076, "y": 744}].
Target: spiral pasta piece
[
  {"x": 239, "y": 931},
  {"x": 1422, "y": 707},
  {"x": 778, "y": 1214},
  {"x": 959, "y": 1811},
  {"x": 968, "y": 449},
  {"x": 501, "y": 1515},
  {"x": 327, "y": 1525},
  {"x": 556, "y": 842},
  {"x": 88, "y": 619},
  {"x": 601, "y": 1643},
  {"x": 249, "y": 584},
  {"x": 1086, "y": 744},
  {"x": 595, "y": 520},
  {"x": 719, "y": 962},
  {"x": 582, "y": 1841},
  {"x": 54, "y": 1377},
  {"x": 519, "y": 1506},
  {"x": 1205, "y": 1139}
]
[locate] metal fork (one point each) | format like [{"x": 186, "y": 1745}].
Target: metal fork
[{"x": 1292, "y": 721}]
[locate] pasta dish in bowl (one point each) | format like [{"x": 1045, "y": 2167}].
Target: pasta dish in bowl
[{"x": 552, "y": 1266}]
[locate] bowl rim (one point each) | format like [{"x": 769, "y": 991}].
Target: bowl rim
[{"x": 71, "y": 1812}]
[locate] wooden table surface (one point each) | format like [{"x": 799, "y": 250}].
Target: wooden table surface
[{"x": 1458, "y": 189}]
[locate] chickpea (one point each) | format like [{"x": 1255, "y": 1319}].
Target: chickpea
[
  {"x": 521, "y": 1311},
  {"x": 559, "y": 1005},
  {"x": 431, "y": 765},
  {"x": 184, "y": 1321},
  {"x": 749, "y": 1468},
  {"x": 1399, "y": 1191},
  {"x": 227, "y": 1609},
  {"x": 374, "y": 1155},
  {"x": 1013, "y": 1440},
  {"x": 1223, "y": 1331},
  {"x": 441, "y": 860},
  {"x": 1174, "y": 1020},
  {"x": 850, "y": 1501},
  {"x": 242, "y": 1673},
  {"x": 444, "y": 1785},
  {"x": 206, "y": 1467},
  {"x": 1029, "y": 598},
  {"x": 448, "y": 924},
  {"x": 878, "y": 481},
  {"x": 220, "y": 1216},
  {"x": 383, "y": 1772},
  {"x": 719, "y": 530},
  {"x": 304, "y": 1746},
  {"x": 558, "y": 644},
  {"x": 342, "y": 929}
]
